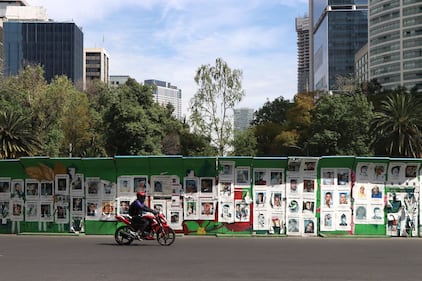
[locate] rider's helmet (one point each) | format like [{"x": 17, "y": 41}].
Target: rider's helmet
[{"x": 141, "y": 195}]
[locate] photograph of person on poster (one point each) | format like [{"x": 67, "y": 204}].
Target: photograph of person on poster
[
  {"x": 379, "y": 173},
  {"x": 276, "y": 178},
  {"x": 260, "y": 178},
  {"x": 308, "y": 207},
  {"x": 411, "y": 171},
  {"x": 308, "y": 186},
  {"x": 260, "y": 199},
  {"x": 343, "y": 198},
  {"x": 241, "y": 212},
  {"x": 242, "y": 176},
  {"x": 395, "y": 171},
  {"x": 362, "y": 192},
  {"x": 361, "y": 213},
  {"x": 309, "y": 226},
  {"x": 328, "y": 220},
  {"x": 226, "y": 214},
  {"x": 328, "y": 202},
  {"x": 92, "y": 209},
  {"x": 377, "y": 214},
  {"x": 363, "y": 171},
  {"x": 343, "y": 177},
  {"x": 276, "y": 203},
  {"x": 375, "y": 192},
  {"x": 207, "y": 209},
  {"x": 343, "y": 220},
  {"x": 206, "y": 185},
  {"x": 293, "y": 185},
  {"x": 309, "y": 166},
  {"x": 293, "y": 225},
  {"x": 328, "y": 178}
]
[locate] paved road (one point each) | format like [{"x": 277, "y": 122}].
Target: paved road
[{"x": 208, "y": 258}]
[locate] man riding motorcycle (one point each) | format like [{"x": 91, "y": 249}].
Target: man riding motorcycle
[{"x": 136, "y": 210}]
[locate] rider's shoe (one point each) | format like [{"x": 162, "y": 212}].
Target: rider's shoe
[{"x": 148, "y": 237}]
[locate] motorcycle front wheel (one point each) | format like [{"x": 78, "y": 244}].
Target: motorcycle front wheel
[
  {"x": 166, "y": 236},
  {"x": 122, "y": 235}
]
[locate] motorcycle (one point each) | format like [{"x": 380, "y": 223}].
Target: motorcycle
[{"x": 158, "y": 228}]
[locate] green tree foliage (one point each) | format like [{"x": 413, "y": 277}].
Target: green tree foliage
[
  {"x": 340, "y": 126},
  {"x": 283, "y": 136},
  {"x": 272, "y": 111},
  {"x": 265, "y": 134},
  {"x": 398, "y": 126},
  {"x": 192, "y": 144},
  {"x": 220, "y": 90},
  {"x": 16, "y": 138},
  {"x": 76, "y": 122},
  {"x": 244, "y": 143},
  {"x": 49, "y": 114},
  {"x": 132, "y": 121}
]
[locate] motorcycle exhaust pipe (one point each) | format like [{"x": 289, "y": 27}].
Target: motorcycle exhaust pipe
[{"x": 126, "y": 235}]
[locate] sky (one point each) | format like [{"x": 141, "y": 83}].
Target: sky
[{"x": 170, "y": 39}]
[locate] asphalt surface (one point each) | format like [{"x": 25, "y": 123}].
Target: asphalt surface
[{"x": 93, "y": 258}]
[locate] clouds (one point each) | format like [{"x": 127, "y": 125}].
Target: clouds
[{"x": 169, "y": 39}]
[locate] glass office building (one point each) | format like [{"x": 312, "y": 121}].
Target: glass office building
[
  {"x": 57, "y": 46},
  {"x": 395, "y": 43},
  {"x": 166, "y": 93},
  {"x": 340, "y": 29}
]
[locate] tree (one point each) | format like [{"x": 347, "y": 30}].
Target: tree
[
  {"x": 76, "y": 123},
  {"x": 265, "y": 139},
  {"x": 274, "y": 111},
  {"x": 220, "y": 90},
  {"x": 16, "y": 138},
  {"x": 340, "y": 126},
  {"x": 133, "y": 121},
  {"x": 398, "y": 126},
  {"x": 48, "y": 112},
  {"x": 192, "y": 144},
  {"x": 244, "y": 143}
]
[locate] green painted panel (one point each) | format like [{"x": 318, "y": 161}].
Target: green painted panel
[
  {"x": 166, "y": 165},
  {"x": 132, "y": 165},
  {"x": 202, "y": 166},
  {"x": 12, "y": 169},
  {"x": 99, "y": 167},
  {"x": 270, "y": 162},
  {"x": 336, "y": 162},
  {"x": 100, "y": 227}
]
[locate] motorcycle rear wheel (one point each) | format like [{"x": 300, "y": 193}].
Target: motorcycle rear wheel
[
  {"x": 122, "y": 235},
  {"x": 166, "y": 236}
]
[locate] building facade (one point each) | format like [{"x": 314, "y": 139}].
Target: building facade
[
  {"x": 56, "y": 46},
  {"x": 339, "y": 30},
  {"x": 118, "y": 80},
  {"x": 242, "y": 118},
  {"x": 361, "y": 65},
  {"x": 96, "y": 65},
  {"x": 395, "y": 43},
  {"x": 303, "y": 57},
  {"x": 165, "y": 93}
]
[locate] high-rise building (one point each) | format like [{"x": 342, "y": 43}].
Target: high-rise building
[
  {"x": 56, "y": 46},
  {"x": 339, "y": 30},
  {"x": 17, "y": 10},
  {"x": 6, "y": 3},
  {"x": 118, "y": 80},
  {"x": 165, "y": 93},
  {"x": 242, "y": 118},
  {"x": 395, "y": 43},
  {"x": 96, "y": 65},
  {"x": 361, "y": 65},
  {"x": 303, "y": 31}
]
